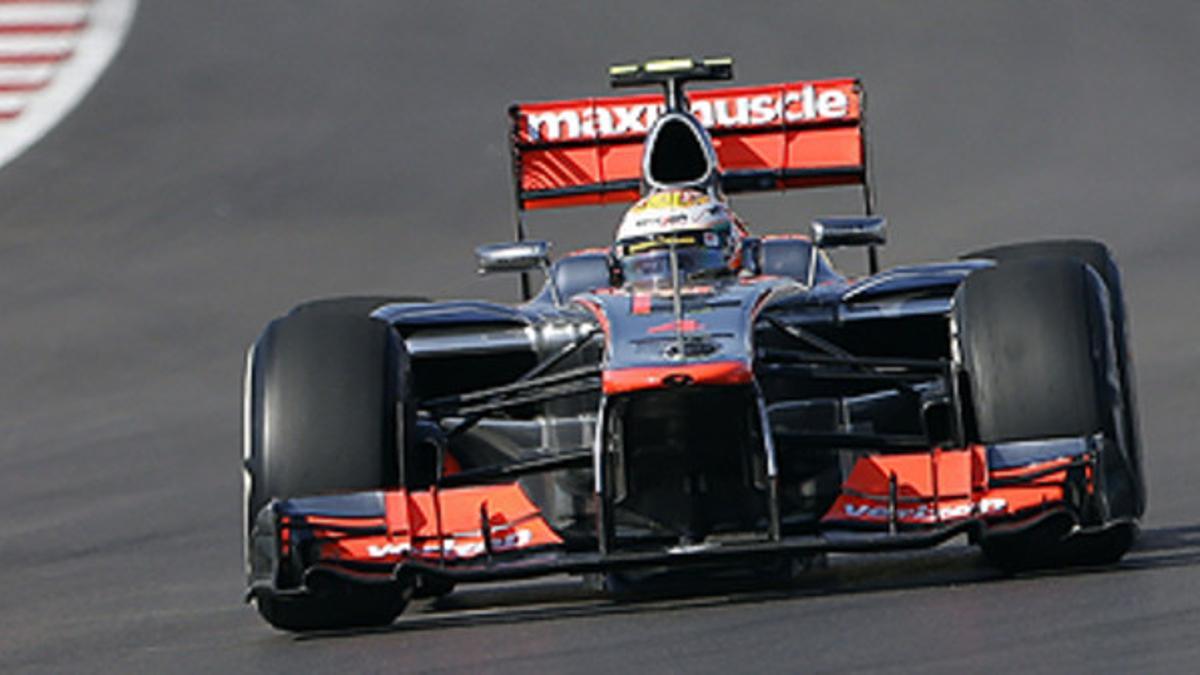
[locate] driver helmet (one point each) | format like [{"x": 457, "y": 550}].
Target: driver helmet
[{"x": 704, "y": 231}]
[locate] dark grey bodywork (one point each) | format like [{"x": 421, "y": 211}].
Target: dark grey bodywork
[{"x": 459, "y": 347}]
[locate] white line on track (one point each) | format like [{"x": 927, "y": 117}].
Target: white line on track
[
  {"x": 9, "y": 103},
  {"x": 42, "y": 13},
  {"x": 24, "y": 75},
  {"x": 18, "y": 45}
]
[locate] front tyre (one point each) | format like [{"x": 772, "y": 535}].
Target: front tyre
[
  {"x": 1035, "y": 339},
  {"x": 1098, "y": 256},
  {"x": 326, "y": 411}
]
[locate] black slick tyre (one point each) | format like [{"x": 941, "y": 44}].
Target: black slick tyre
[
  {"x": 1100, "y": 258},
  {"x": 1034, "y": 338},
  {"x": 326, "y": 410}
]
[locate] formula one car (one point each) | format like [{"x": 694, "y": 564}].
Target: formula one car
[{"x": 690, "y": 397}]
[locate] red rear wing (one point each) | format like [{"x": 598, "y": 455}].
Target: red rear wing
[{"x": 767, "y": 137}]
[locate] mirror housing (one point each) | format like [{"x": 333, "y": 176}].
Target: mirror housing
[
  {"x": 518, "y": 256},
  {"x": 513, "y": 256},
  {"x": 869, "y": 231},
  {"x": 849, "y": 231}
]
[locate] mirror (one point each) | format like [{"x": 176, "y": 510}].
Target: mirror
[
  {"x": 514, "y": 256},
  {"x": 849, "y": 231}
]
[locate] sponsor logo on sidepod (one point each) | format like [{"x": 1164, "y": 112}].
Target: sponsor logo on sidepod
[{"x": 796, "y": 105}]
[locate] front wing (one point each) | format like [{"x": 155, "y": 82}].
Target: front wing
[{"x": 491, "y": 532}]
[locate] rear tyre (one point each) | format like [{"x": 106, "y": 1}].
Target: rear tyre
[
  {"x": 326, "y": 410},
  {"x": 1097, "y": 255},
  {"x": 1035, "y": 340}
]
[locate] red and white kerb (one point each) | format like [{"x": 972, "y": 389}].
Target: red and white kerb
[{"x": 51, "y": 52}]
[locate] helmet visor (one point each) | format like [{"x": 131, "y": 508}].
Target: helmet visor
[{"x": 649, "y": 259}]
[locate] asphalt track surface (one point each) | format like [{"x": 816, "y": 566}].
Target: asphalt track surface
[{"x": 239, "y": 157}]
